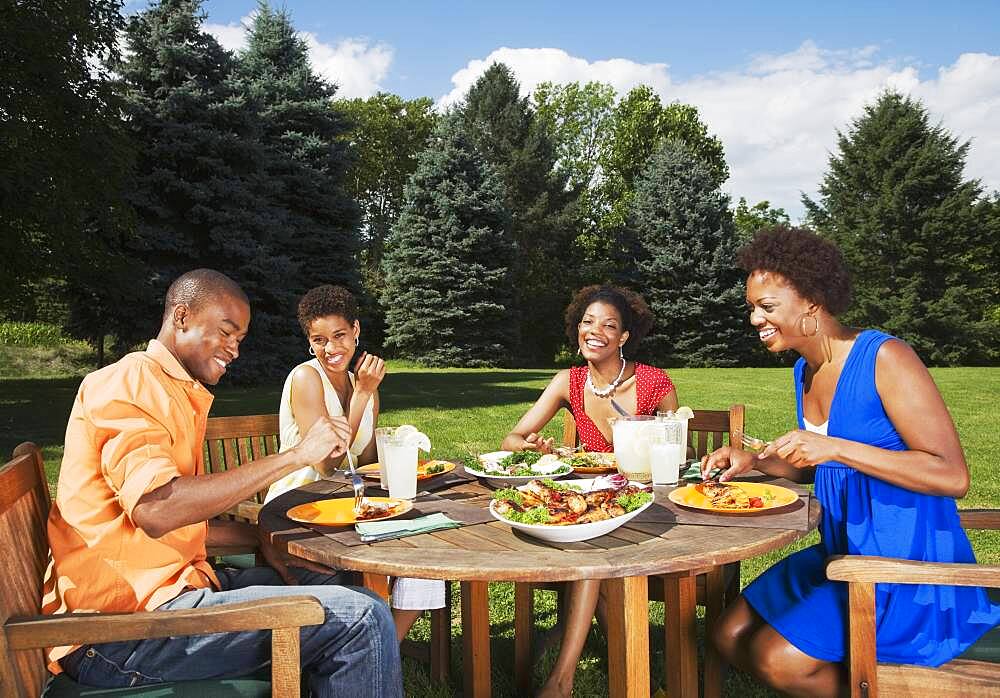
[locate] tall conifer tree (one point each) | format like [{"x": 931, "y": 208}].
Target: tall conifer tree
[
  {"x": 308, "y": 157},
  {"x": 505, "y": 129},
  {"x": 895, "y": 201},
  {"x": 682, "y": 247},
  {"x": 201, "y": 190},
  {"x": 449, "y": 290}
]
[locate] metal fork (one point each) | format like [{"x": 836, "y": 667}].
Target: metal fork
[
  {"x": 751, "y": 443},
  {"x": 359, "y": 486}
]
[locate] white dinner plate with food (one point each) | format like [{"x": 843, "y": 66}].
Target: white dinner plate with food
[
  {"x": 607, "y": 507},
  {"x": 512, "y": 468}
]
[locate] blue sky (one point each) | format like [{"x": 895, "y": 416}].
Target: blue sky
[{"x": 774, "y": 80}]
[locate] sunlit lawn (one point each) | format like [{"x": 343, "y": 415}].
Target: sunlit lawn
[{"x": 465, "y": 410}]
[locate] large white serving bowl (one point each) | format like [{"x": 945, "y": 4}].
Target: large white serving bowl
[
  {"x": 572, "y": 533},
  {"x": 501, "y": 481}
]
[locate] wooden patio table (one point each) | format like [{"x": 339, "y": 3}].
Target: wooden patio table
[{"x": 477, "y": 554}]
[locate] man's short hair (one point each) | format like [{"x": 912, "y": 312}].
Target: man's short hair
[{"x": 199, "y": 286}]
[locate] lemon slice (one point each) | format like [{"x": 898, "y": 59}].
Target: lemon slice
[
  {"x": 404, "y": 430},
  {"x": 418, "y": 439},
  {"x": 684, "y": 412}
]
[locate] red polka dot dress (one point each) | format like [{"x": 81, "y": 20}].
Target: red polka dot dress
[{"x": 651, "y": 384}]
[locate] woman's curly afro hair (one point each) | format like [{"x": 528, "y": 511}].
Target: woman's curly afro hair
[
  {"x": 637, "y": 318},
  {"x": 814, "y": 267},
  {"x": 324, "y": 301}
]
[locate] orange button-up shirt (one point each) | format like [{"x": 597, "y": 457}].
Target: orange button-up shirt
[{"x": 135, "y": 425}]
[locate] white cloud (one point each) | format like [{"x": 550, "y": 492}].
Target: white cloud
[
  {"x": 536, "y": 65},
  {"x": 355, "y": 65},
  {"x": 778, "y": 115}
]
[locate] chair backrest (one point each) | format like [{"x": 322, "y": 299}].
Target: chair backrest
[
  {"x": 24, "y": 510},
  {"x": 707, "y": 430},
  {"x": 232, "y": 441}
]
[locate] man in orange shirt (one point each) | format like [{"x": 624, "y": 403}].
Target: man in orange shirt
[{"x": 135, "y": 510}]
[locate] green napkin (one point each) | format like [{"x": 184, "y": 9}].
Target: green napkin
[
  {"x": 372, "y": 531},
  {"x": 693, "y": 472}
]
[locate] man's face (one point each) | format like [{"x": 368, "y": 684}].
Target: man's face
[{"x": 208, "y": 338}]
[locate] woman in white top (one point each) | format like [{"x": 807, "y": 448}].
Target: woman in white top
[{"x": 323, "y": 386}]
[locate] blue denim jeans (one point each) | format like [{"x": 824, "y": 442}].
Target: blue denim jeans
[{"x": 354, "y": 653}]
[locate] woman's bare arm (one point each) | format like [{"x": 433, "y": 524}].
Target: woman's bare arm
[{"x": 524, "y": 435}]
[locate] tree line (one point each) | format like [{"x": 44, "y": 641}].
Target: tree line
[{"x": 463, "y": 231}]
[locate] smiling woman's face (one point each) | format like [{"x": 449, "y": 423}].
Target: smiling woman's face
[
  {"x": 334, "y": 340},
  {"x": 776, "y": 310},
  {"x": 600, "y": 332}
]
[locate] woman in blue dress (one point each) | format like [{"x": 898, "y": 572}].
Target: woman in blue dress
[{"x": 878, "y": 442}]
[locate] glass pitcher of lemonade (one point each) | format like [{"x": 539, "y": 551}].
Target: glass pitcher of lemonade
[{"x": 631, "y": 441}]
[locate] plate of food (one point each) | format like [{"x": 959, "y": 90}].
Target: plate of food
[
  {"x": 738, "y": 498},
  {"x": 590, "y": 462},
  {"x": 573, "y": 510},
  {"x": 425, "y": 469},
  {"x": 512, "y": 468},
  {"x": 340, "y": 511}
]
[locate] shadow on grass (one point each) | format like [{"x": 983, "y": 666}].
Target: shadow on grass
[{"x": 35, "y": 409}]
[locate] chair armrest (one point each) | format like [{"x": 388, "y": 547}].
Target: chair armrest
[
  {"x": 980, "y": 518},
  {"x": 869, "y": 569},
  {"x": 91, "y": 628},
  {"x": 247, "y": 510}
]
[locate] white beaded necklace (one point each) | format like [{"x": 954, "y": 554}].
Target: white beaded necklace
[{"x": 605, "y": 392}]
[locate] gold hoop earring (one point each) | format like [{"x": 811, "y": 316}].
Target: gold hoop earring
[
  {"x": 802, "y": 325},
  {"x": 312, "y": 352}
]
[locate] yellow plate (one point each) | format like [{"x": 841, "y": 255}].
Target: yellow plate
[
  {"x": 340, "y": 511},
  {"x": 370, "y": 471},
  {"x": 611, "y": 467},
  {"x": 688, "y": 496}
]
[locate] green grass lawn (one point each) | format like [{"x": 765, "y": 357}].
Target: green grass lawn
[{"x": 465, "y": 410}]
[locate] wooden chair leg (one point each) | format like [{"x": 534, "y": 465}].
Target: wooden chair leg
[
  {"x": 679, "y": 598},
  {"x": 714, "y": 604},
  {"x": 732, "y": 571},
  {"x": 441, "y": 639}
]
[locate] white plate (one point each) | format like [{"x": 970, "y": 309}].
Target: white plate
[
  {"x": 509, "y": 480},
  {"x": 573, "y": 532}
]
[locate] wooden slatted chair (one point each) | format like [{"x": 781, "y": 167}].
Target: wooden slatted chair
[
  {"x": 713, "y": 587},
  {"x": 975, "y": 673},
  {"x": 24, "y": 509},
  {"x": 233, "y": 441}
]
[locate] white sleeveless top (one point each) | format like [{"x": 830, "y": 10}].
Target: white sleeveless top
[
  {"x": 290, "y": 435},
  {"x": 816, "y": 428}
]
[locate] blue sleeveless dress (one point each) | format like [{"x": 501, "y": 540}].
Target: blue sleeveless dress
[{"x": 862, "y": 515}]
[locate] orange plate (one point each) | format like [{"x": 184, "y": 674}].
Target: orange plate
[
  {"x": 340, "y": 511},
  {"x": 688, "y": 496},
  {"x": 611, "y": 467},
  {"x": 370, "y": 471}
]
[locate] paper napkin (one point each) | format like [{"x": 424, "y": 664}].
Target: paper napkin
[{"x": 372, "y": 531}]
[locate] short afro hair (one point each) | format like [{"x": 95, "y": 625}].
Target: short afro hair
[
  {"x": 199, "y": 286},
  {"x": 324, "y": 301},
  {"x": 637, "y": 318},
  {"x": 814, "y": 267}
]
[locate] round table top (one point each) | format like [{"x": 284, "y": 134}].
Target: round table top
[{"x": 493, "y": 551}]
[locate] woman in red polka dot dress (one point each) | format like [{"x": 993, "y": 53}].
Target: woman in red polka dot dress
[{"x": 607, "y": 323}]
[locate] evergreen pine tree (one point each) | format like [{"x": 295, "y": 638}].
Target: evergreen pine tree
[
  {"x": 543, "y": 211},
  {"x": 895, "y": 202},
  {"x": 201, "y": 191},
  {"x": 308, "y": 156},
  {"x": 683, "y": 245},
  {"x": 449, "y": 290}
]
